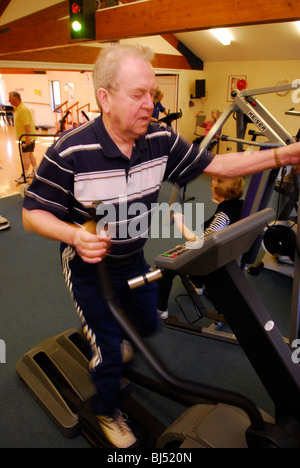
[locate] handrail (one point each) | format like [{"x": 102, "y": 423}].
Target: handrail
[
  {"x": 73, "y": 105},
  {"x": 85, "y": 105},
  {"x": 60, "y": 107},
  {"x": 83, "y": 113},
  {"x": 54, "y": 135}
]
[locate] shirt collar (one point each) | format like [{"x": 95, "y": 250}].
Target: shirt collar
[{"x": 109, "y": 147}]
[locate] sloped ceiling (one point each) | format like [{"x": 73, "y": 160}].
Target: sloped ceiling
[{"x": 38, "y": 32}]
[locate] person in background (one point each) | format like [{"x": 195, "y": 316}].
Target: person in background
[
  {"x": 215, "y": 114},
  {"x": 158, "y": 107},
  {"x": 226, "y": 193},
  {"x": 24, "y": 124}
]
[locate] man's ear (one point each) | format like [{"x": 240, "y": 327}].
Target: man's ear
[{"x": 103, "y": 99}]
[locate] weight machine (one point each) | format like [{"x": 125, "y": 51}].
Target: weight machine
[
  {"x": 247, "y": 109},
  {"x": 171, "y": 117}
]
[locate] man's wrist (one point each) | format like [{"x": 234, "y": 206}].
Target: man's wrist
[{"x": 277, "y": 157}]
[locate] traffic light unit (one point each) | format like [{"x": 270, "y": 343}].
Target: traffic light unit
[{"x": 82, "y": 20}]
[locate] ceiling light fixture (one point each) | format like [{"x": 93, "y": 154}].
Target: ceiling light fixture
[{"x": 223, "y": 35}]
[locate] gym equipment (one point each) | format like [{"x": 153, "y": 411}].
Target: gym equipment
[
  {"x": 56, "y": 371},
  {"x": 280, "y": 240},
  {"x": 247, "y": 109},
  {"x": 200, "y": 119},
  {"x": 280, "y": 237},
  {"x": 63, "y": 120},
  {"x": 256, "y": 332},
  {"x": 171, "y": 117},
  {"x": 292, "y": 112}
]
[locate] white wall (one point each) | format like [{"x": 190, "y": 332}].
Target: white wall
[
  {"x": 35, "y": 92},
  {"x": 259, "y": 74}
]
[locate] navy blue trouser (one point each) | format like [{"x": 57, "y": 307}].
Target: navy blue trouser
[{"x": 100, "y": 328}]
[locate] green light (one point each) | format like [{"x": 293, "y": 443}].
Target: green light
[{"x": 76, "y": 26}]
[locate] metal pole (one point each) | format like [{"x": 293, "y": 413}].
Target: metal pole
[{"x": 295, "y": 314}]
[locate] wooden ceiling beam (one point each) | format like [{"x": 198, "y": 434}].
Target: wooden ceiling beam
[
  {"x": 53, "y": 13},
  {"x": 86, "y": 56},
  {"x": 154, "y": 17},
  {"x": 74, "y": 54},
  {"x": 18, "y": 71},
  {"x": 194, "y": 62},
  {"x": 41, "y": 30},
  {"x": 3, "y": 5},
  {"x": 177, "y": 62},
  {"x": 150, "y": 17}
]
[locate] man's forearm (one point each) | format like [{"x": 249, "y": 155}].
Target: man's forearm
[
  {"x": 47, "y": 225},
  {"x": 27, "y": 138},
  {"x": 252, "y": 162},
  {"x": 88, "y": 245}
]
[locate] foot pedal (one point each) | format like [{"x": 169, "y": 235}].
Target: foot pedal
[{"x": 56, "y": 373}]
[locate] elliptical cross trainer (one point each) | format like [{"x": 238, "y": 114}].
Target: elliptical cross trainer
[{"x": 57, "y": 374}]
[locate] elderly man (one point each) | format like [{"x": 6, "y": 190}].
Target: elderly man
[{"x": 118, "y": 159}]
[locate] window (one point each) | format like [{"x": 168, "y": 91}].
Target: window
[{"x": 55, "y": 97}]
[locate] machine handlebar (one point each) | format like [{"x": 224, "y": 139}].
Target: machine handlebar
[{"x": 153, "y": 275}]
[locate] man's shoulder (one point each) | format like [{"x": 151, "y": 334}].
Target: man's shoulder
[
  {"x": 158, "y": 129},
  {"x": 21, "y": 107},
  {"x": 81, "y": 135}
]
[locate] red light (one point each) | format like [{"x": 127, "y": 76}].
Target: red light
[{"x": 75, "y": 8}]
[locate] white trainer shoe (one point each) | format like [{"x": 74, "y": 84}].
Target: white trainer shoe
[
  {"x": 163, "y": 314},
  {"x": 116, "y": 430}
]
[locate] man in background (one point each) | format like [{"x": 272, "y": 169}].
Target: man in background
[{"x": 24, "y": 124}]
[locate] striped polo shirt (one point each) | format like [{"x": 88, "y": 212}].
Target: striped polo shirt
[{"x": 85, "y": 169}]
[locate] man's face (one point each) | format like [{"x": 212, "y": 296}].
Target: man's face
[
  {"x": 13, "y": 101},
  {"x": 131, "y": 106}
]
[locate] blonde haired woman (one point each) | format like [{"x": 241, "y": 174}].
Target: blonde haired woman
[{"x": 227, "y": 193}]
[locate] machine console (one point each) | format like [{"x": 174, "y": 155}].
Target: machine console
[{"x": 205, "y": 255}]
